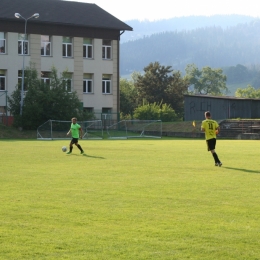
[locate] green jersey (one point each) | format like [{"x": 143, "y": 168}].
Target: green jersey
[
  {"x": 210, "y": 127},
  {"x": 74, "y": 129}
]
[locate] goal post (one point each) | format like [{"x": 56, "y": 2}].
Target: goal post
[
  {"x": 57, "y": 129},
  {"x": 135, "y": 129}
]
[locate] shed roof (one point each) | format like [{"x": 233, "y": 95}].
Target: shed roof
[
  {"x": 221, "y": 97},
  {"x": 62, "y": 13}
]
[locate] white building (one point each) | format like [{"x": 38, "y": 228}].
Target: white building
[{"x": 79, "y": 37}]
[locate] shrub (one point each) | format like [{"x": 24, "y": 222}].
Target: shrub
[{"x": 155, "y": 111}]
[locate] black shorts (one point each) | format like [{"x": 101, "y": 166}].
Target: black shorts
[
  {"x": 74, "y": 140},
  {"x": 211, "y": 143}
]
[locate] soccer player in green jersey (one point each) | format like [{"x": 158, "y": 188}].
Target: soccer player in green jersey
[
  {"x": 211, "y": 128},
  {"x": 76, "y": 133}
]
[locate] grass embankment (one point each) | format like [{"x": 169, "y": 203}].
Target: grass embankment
[{"x": 8, "y": 132}]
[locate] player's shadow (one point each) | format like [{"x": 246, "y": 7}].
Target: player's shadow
[
  {"x": 95, "y": 157},
  {"x": 239, "y": 169},
  {"x": 89, "y": 156}
]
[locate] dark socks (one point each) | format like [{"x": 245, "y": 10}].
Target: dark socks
[
  {"x": 80, "y": 147},
  {"x": 216, "y": 158}
]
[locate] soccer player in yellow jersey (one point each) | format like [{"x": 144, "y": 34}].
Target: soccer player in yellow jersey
[
  {"x": 211, "y": 128},
  {"x": 76, "y": 133}
]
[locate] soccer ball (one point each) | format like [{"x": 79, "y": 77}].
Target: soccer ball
[{"x": 64, "y": 149}]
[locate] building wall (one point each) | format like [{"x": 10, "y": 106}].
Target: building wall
[
  {"x": 115, "y": 75},
  {"x": 220, "y": 107},
  {"x": 78, "y": 67},
  {"x": 35, "y": 51},
  {"x": 97, "y": 68},
  {"x": 255, "y": 109},
  {"x": 12, "y": 62}
]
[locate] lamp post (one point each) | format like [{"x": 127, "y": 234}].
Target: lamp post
[{"x": 17, "y": 15}]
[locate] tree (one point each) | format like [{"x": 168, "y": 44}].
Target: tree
[
  {"x": 237, "y": 74},
  {"x": 44, "y": 101},
  {"x": 175, "y": 93},
  {"x": 207, "y": 80},
  {"x": 248, "y": 92},
  {"x": 128, "y": 97},
  {"x": 160, "y": 84}
]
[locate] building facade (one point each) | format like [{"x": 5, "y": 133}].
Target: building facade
[{"x": 79, "y": 38}]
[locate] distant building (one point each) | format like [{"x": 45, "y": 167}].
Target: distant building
[
  {"x": 220, "y": 107},
  {"x": 79, "y": 37}
]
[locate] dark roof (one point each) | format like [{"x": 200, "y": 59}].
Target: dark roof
[
  {"x": 61, "y": 12},
  {"x": 221, "y": 97}
]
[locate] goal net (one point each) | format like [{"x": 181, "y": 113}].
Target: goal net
[
  {"x": 56, "y": 129},
  {"x": 135, "y": 129}
]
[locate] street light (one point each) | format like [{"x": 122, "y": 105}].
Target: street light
[{"x": 17, "y": 15}]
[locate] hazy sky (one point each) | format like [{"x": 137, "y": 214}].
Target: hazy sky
[{"x": 163, "y": 9}]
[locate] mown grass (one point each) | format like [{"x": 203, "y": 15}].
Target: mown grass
[{"x": 129, "y": 199}]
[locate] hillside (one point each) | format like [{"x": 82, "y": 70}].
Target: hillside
[
  {"x": 211, "y": 45},
  {"x": 186, "y": 23}
]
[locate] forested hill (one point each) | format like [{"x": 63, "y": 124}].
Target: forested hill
[
  {"x": 212, "y": 46},
  {"x": 146, "y": 28}
]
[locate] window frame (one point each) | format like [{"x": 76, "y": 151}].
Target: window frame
[
  {"x": 87, "y": 43},
  {"x": 105, "y": 86},
  {"x": 88, "y": 109},
  {"x": 106, "y": 110},
  {"x": 45, "y": 78},
  {"x": 66, "y": 49},
  {"x": 3, "y": 46},
  {"x": 20, "y": 80},
  {"x": 87, "y": 52},
  {"x": 4, "y": 78},
  {"x": 106, "y": 50},
  {"x": 23, "y": 44},
  {"x": 44, "y": 45},
  {"x": 65, "y": 84},
  {"x": 86, "y": 86}
]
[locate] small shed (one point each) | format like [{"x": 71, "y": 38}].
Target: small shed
[{"x": 220, "y": 107}]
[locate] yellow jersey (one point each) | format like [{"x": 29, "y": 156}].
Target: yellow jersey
[{"x": 210, "y": 126}]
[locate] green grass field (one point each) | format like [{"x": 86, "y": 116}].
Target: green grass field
[{"x": 129, "y": 199}]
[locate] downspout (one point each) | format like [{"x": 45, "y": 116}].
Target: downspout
[{"x": 118, "y": 76}]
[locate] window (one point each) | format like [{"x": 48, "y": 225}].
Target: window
[
  {"x": 45, "y": 77},
  {"x": 23, "y": 44},
  {"x": 2, "y": 43},
  {"x": 45, "y": 45},
  {"x": 106, "y": 84},
  {"x": 2, "y": 80},
  {"x": 67, "y": 84},
  {"x": 106, "y": 49},
  {"x": 67, "y": 47},
  {"x": 106, "y": 110},
  {"x": 87, "y": 48},
  {"x": 20, "y": 79},
  {"x": 87, "y": 83},
  {"x": 88, "y": 109}
]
